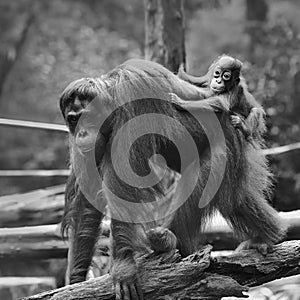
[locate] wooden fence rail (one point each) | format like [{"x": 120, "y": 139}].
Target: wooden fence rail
[
  {"x": 34, "y": 173},
  {"x": 39, "y": 207},
  {"x": 45, "y": 241},
  {"x": 33, "y": 125},
  {"x": 36, "y": 242},
  {"x": 63, "y": 128}
]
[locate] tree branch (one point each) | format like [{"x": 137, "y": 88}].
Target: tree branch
[{"x": 197, "y": 276}]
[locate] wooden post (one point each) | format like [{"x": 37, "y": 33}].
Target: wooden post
[{"x": 164, "y": 32}]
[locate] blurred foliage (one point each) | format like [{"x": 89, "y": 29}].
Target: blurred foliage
[
  {"x": 69, "y": 39},
  {"x": 277, "y": 86}
]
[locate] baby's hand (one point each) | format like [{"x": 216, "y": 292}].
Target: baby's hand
[
  {"x": 177, "y": 100},
  {"x": 186, "y": 104},
  {"x": 174, "y": 98},
  {"x": 236, "y": 121}
]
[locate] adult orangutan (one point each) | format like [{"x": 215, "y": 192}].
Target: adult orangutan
[{"x": 138, "y": 90}]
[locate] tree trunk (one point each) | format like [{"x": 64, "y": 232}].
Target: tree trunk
[
  {"x": 164, "y": 32},
  {"x": 256, "y": 15},
  {"x": 257, "y": 10},
  {"x": 10, "y": 56}
]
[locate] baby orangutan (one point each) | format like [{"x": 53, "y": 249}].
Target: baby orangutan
[{"x": 225, "y": 89}]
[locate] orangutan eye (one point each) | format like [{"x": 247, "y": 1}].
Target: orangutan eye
[
  {"x": 226, "y": 76},
  {"x": 72, "y": 118},
  {"x": 217, "y": 73}
]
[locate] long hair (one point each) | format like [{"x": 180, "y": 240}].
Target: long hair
[
  {"x": 138, "y": 88},
  {"x": 141, "y": 88}
]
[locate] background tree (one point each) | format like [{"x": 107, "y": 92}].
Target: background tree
[
  {"x": 256, "y": 18},
  {"x": 164, "y": 32}
]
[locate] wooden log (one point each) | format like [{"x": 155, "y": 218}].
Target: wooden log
[
  {"x": 35, "y": 242},
  {"x": 196, "y": 277},
  {"x": 39, "y": 207},
  {"x": 45, "y": 241}
]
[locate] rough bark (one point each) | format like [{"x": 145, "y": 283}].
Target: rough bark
[
  {"x": 197, "y": 276},
  {"x": 164, "y": 32}
]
